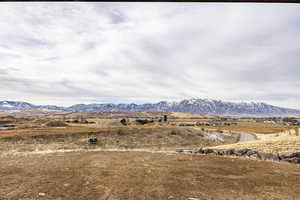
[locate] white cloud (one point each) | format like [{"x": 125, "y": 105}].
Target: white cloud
[{"x": 67, "y": 53}]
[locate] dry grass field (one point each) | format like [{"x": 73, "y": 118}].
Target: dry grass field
[
  {"x": 251, "y": 129},
  {"x": 125, "y": 137},
  {"x": 145, "y": 176},
  {"x": 35, "y": 135},
  {"x": 242, "y": 126},
  {"x": 185, "y": 115},
  {"x": 284, "y": 142},
  {"x": 46, "y": 159},
  {"x": 281, "y": 146},
  {"x": 254, "y": 130}
]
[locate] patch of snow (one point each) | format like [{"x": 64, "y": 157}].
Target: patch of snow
[{"x": 7, "y": 105}]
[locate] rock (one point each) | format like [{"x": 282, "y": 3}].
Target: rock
[
  {"x": 207, "y": 151},
  {"x": 179, "y": 150},
  {"x": 294, "y": 155},
  {"x": 254, "y": 155},
  {"x": 268, "y": 156},
  {"x": 243, "y": 152},
  {"x": 229, "y": 152},
  {"x": 222, "y": 152},
  {"x": 275, "y": 157},
  {"x": 240, "y": 152},
  {"x": 93, "y": 140},
  {"x": 250, "y": 152},
  {"x": 262, "y": 156},
  {"x": 187, "y": 151},
  {"x": 285, "y": 159},
  {"x": 295, "y": 160},
  {"x": 236, "y": 152},
  {"x": 292, "y": 160},
  {"x": 200, "y": 150},
  {"x": 42, "y": 194},
  {"x": 195, "y": 151},
  {"x": 213, "y": 152}
]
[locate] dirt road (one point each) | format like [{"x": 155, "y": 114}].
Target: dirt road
[{"x": 144, "y": 175}]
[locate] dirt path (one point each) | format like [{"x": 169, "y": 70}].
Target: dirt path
[{"x": 54, "y": 151}]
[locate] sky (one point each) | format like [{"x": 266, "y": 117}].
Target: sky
[{"x": 69, "y": 53}]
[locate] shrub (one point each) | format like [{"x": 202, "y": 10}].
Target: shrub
[
  {"x": 173, "y": 132},
  {"x": 56, "y": 124},
  {"x": 124, "y": 122},
  {"x": 143, "y": 121}
]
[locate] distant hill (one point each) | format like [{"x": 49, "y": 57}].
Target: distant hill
[
  {"x": 19, "y": 105},
  {"x": 193, "y": 106}
]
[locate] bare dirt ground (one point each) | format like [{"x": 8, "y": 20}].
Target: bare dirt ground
[{"x": 141, "y": 175}]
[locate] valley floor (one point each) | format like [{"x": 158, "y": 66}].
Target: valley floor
[
  {"x": 144, "y": 175},
  {"x": 140, "y": 162}
]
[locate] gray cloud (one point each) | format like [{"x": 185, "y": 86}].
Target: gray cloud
[{"x": 135, "y": 52}]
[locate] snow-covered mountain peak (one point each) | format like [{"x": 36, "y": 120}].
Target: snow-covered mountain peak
[{"x": 194, "y": 106}]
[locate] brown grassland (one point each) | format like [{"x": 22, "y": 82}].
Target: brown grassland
[
  {"x": 256, "y": 127},
  {"x": 284, "y": 142},
  {"x": 145, "y": 176},
  {"x": 122, "y": 137},
  {"x": 139, "y": 162}
]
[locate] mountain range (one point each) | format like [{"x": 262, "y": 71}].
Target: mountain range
[{"x": 194, "y": 106}]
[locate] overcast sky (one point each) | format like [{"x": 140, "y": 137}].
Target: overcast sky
[{"x": 68, "y": 53}]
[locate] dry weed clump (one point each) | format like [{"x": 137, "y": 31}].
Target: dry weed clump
[{"x": 56, "y": 124}]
